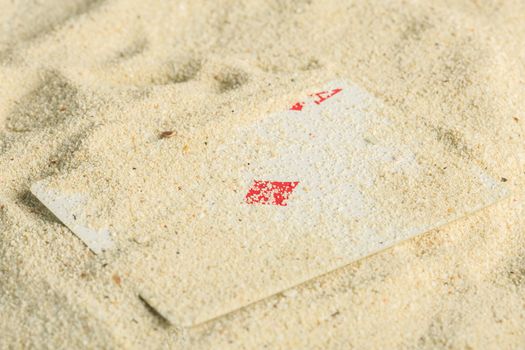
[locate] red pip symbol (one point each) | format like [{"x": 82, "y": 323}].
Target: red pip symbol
[
  {"x": 270, "y": 192},
  {"x": 298, "y": 106}
]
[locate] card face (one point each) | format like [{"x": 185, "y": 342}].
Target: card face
[
  {"x": 69, "y": 210},
  {"x": 247, "y": 211}
]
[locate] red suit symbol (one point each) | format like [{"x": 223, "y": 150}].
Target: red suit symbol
[
  {"x": 297, "y": 107},
  {"x": 270, "y": 192}
]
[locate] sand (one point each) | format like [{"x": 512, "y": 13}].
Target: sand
[{"x": 81, "y": 81}]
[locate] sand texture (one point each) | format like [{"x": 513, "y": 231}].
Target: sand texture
[{"x": 118, "y": 99}]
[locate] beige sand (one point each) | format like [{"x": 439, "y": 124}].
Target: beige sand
[{"x": 117, "y": 72}]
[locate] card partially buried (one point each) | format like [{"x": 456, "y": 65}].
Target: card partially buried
[{"x": 240, "y": 212}]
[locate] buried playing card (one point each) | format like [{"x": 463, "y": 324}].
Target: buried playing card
[{"x": 238, "y": 213}]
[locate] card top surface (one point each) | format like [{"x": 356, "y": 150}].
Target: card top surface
[{"x": 237, "y": 213}]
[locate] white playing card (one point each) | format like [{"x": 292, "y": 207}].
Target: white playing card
[
  {"x": 70, "y": 210},
  {"x": 257, "y": 208}
]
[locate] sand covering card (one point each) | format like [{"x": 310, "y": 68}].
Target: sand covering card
[{"x": 247, "y": 211}]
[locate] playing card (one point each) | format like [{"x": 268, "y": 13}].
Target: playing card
[{"x": 248, "y": 210}]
